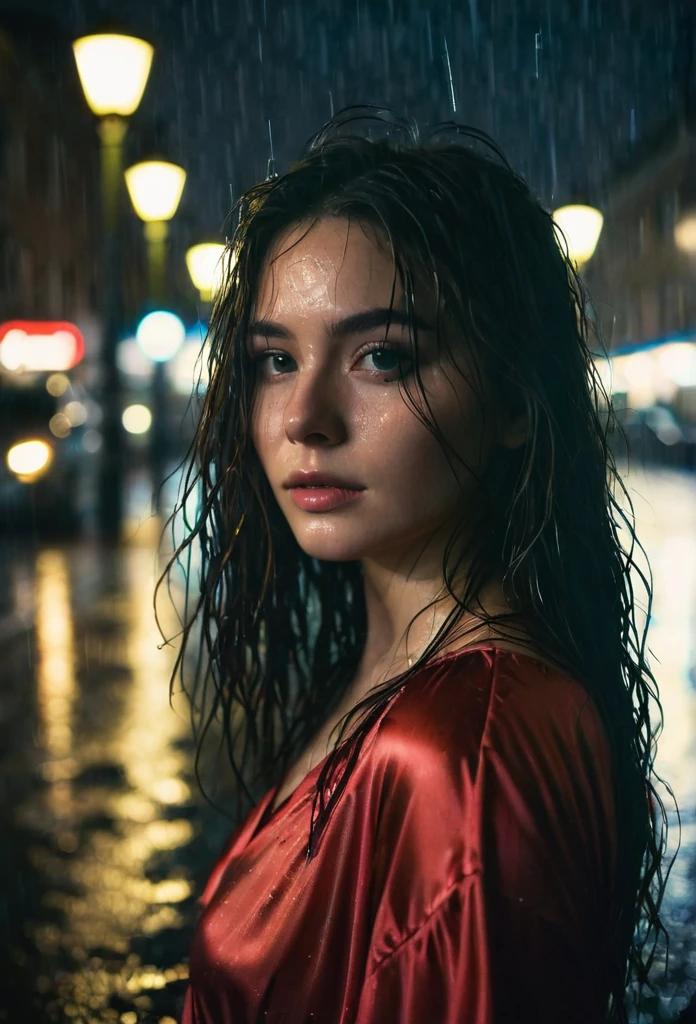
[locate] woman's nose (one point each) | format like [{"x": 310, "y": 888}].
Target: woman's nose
[{"x": 315, "y": 405}]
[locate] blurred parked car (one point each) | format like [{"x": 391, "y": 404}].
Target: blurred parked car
[
  {"x": 658, "y": 435},
  {"x": 42, "y": 456}
]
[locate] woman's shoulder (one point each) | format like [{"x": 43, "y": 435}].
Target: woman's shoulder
[
  {"x": 478, "y": 770},
  {"x": 480, "y": 695}
]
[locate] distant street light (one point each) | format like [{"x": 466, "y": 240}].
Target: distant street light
[
  {"x": 155, "y": 188},
  {"x": 137, "y": 419},
  {"x": 204, "y": 262},
  {"x": 113, "y": 70},
  {"x": 685, "y": 232},
  {"x": 582, "y": 226}
]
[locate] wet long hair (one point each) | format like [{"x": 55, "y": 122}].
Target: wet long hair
[{"x": 277, "y": 635}]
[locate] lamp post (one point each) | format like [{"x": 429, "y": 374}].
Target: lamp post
[
  {"x": 155, "y": 188},
  {"x": 113, "y": 70},
  {"x": 582, "y": 226}
]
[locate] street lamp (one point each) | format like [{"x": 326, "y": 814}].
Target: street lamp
[
  {"x": 155, "y": 188},
  {"x": 113, "y": 69},
  {"x": 204, "y": 262},
  {"x": 582, "y": 226}
]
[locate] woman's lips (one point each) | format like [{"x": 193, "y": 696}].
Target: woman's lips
[{"x": 322, "y": 499}]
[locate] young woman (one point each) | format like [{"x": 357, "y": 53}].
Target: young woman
[{"x": 416, "y": 610}]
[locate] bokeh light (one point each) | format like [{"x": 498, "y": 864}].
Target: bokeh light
[
  {"x": 29, "y": 458},
  {"x": 160, "y": 335},
  {"x": 59, "y": 425},
  {"x": 57, "y": 384},
  {"x": 137, "y": 419}
]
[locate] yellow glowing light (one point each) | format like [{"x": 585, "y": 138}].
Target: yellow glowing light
[
  {"x": 59, "y": 425},
  {"x": 155, "y": 188},
  {"x": 137, "y": 419},
  {"x": 166, "y": 835},
  {"x": 582, "y": 226},
  {"x": 171, "y": 890},
  {"x": 57, "y": 384},
  {"x": 170, "y": 791},
  {"x": 56, "y": 685},
  {"x": 113, "y": 70},
  {"x": 29, "y": 459},
  {"x": 677, "y": 360},
  {"x": 76, "y": 413},
  {"x": 685, "y": 233},
  {"x": 205, "y": 266}
]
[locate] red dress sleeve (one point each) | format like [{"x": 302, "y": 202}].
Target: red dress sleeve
[{"x": 494, "y": 861}]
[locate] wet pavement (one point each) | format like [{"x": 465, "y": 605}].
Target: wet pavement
[{"x": 106, "y": 838}]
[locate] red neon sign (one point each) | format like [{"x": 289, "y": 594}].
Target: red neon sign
[{"x": 40, "y": 345}]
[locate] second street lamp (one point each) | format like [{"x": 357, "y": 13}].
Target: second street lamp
[
  {"x": 155, "y": 188},
  {"x": 113, "y": 69}
]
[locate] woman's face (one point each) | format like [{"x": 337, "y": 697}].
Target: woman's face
[{"x": 322, "y": 403}]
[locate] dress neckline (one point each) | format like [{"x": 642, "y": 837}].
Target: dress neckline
[{"x": 265, "y": 818}]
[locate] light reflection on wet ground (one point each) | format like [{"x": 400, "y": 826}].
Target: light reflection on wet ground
[
  {"x": 109, "y": 839},
  {"x": 665, "y": 509},
  {"x": 97, "y": 781}
]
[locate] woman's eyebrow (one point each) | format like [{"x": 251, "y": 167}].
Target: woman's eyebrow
[{"x": 355, "y": 323}]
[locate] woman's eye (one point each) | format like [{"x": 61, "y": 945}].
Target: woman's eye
[
  {"x": 265, "y": 357},
  {"x": 281, "y": 362},
  {"x": 390, "y": 355}
]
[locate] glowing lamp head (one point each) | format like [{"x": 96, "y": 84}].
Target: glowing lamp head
[
  {"x": 160, "y": 335},
  {"x": 113, "y": 71},
  {"x": 205, "y": 266},
  {"x": 155, "y": 188},
  {"x": 582, "y": 226}
]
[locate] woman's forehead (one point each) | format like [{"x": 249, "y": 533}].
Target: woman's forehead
[{"x": 337, "y": 261}]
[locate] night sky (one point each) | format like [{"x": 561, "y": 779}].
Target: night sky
[{"x": 567, "y": 87}]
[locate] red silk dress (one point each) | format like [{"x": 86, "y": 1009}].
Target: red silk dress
[{"x": 465, "y": 876}]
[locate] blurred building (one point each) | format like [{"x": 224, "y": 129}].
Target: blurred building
[
  {"x": 644, "y": 296},
  {"x": 643, "y": 283},
  {"x": 49, "y": 202}
]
